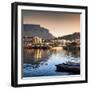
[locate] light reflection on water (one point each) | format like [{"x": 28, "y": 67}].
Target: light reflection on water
[{"x": 39, "y": 62}]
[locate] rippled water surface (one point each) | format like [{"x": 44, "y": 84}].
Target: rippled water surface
[{"x": 39, "y": 62}]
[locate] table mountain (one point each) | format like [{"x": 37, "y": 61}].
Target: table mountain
[{"x": 32, "y": 30}]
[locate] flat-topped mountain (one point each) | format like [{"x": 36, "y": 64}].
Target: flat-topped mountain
[{"x": 36, "y": 30}]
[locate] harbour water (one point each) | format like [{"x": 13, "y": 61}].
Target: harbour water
[{"x": 42, "y": 62}]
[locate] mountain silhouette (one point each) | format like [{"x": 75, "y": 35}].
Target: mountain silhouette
[
  {"x": 73, "y": 36},
  {"x": 32, "y": 30}
]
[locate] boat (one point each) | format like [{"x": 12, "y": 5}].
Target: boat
[{"x": 69, "y": 67}]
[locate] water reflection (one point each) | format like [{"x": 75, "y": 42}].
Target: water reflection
[{"x": 39, "y": 62}]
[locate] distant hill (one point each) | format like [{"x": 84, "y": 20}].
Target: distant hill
[
  {"x": 36, "y": 30},
  {"x": 73, "y": 36}
]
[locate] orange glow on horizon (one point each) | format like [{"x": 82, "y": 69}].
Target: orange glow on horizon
[{"x": 57, "y": 23}]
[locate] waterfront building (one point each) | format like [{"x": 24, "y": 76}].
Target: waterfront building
[{"x": 37, "y": 40}]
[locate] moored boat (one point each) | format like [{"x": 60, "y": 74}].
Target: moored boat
[{"x": 68, "y": 67}]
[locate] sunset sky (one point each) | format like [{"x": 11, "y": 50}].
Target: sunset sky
[{"x": 58, "y": 23}]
